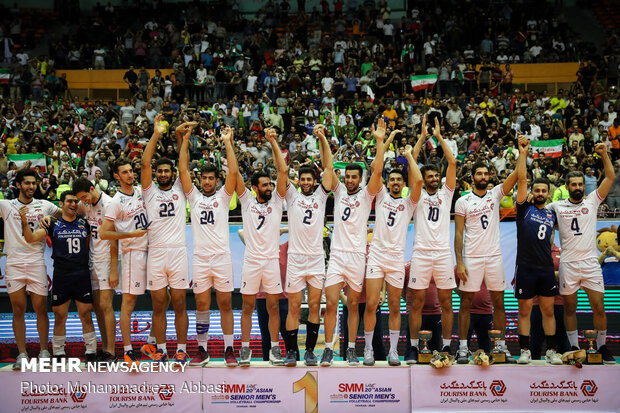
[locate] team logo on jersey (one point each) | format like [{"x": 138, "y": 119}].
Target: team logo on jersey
[
  {"x": 401, "y": 207},
  {"x": 175, "y": 197},
  {"x": 584, "y": 210},
  {"x": 357, "y": 204},
  {"x": 39, "y": 217},
  {"x": 215, "y": 204},
  {"x": 315, "y": 206},
  {"x": 269, "y": 210},
  {"x": 100, "y": 221}
]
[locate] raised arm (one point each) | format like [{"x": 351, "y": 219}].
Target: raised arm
[
  {"x": 146, "y": 177},
  {"x": 447, "y": 153},
  {"x": 386, "y": 144},
  {"x": 30, "y": 236},
  {"x": 278, "y": 161},
  {"x": 186, "y": 179},
  {"x": 329, "y": 179},
  {"x": 610, "y": 175},
  {"x": 231, "y": 158},
  {"x": 415, "y": 176},
  {"x": 522, "y": 171},
  {"x": 510, "y": 182},
  {"x": 421, "y": 139},
  {"x": 374, "y": 184}
]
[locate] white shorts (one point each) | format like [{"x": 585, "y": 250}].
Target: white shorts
[
  {"x": 100, "y": 275},
  {"x": 257, "y": 273},
  {"x": 214, "y": 270},
  {"x": 426, "y": 265},
  {"x": 348, "y": 267},
  {"x": 302, "y": 269},
  {"x": 29, "y": 275},
  {"x": 490, "y": 269},
  {"x": 391, "y": 268},
  {"x": 133, "y": 272},
  {"x": 167, "y": 267},
  {"x": 576, "y": 274}
]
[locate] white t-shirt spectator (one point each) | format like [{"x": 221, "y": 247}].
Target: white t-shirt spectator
[
  {"x": 251, "y": 87},
  {"x": 327, "y": 83}
]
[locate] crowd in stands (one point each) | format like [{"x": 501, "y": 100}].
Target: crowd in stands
[{"x": 343, "y": 66}]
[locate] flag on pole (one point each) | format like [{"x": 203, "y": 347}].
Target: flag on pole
[
  {"x": 37, "y": 159},
  {"x": 551, "y": 148},
  {"x": 4, "y": 76},
  {"x": 423, "y": 82}
]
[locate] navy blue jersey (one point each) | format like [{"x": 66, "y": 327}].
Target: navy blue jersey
[
  {"x": 534, "y": 231},
  {"x": 69, "y": 245}
]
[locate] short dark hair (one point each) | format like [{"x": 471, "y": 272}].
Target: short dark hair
[
  {"x": 354, "y": 167},
  {"x": 208, "y": 167},
  {"x": 397, "y": 171},
  {"x": 22, "y": 173},
  {"x": 428, "y": 167},
  {"x": 257, "y": 175},
  {"x": 307, "y": 170},
  {"x": 542, "y": 180},
  {"x": 477, "y": 165},
  {"x": 575, "y": 174},
  {"x": 164, "y": 161},
  {"x": 65, "y": 193},
  {"x": 120, "y": 162},
  {"x": 81, "y": 185}
]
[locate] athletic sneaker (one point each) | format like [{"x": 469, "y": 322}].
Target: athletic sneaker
[
  {"x": 229, "y": 357},
  {"x": 393, "y": 359},
  {"x": 160, "y": 356},
  {"x": 291, "y": 358},
  {"x": 509, "y": 358},
  {"x": 412, "y": 356},
  {"x": 369, "y": 356},
  {"x": 201, "y": 359},
  {"x": 327, "y": 358},
  {"x": 462, "y": 356},
  {"x": 18, "y": 361},
  {"x": 526, "y": 357},
  {"x": 90, "y": 357},
  {"x": 107, "y": 357},
  {"x": 149, "y": 350},
  {"x": 131, "y": 357},
  {"x": 44, "y": 354},
  {"x": 551, "y": 357},
  {"x": 352, "y": 359},
  {"x": 607, "y": 357},
  {"x": 181, "y": 357},
  {"x": 310, "y": 358},
  {"x": 244, "y": 356},
  {"x": 275, "y": 356},
  {"x": 445, "y": 349}
]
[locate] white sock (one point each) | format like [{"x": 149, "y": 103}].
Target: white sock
[
  {"x": 329, "y": 345},
  {"x": 275, "y": 344},
  {"x": 414, "y": 342},
  {"x": 162, "y": 346},
  {"x": 58, "y": 345},
  {"x": 573, "y": 338},
  {"x": 90, "y": 341},
  {"x": 245, "y": 344},
  {"x": 501, "y": 343},
  {"x": 446, "y": 342},
  {"x": 394, "y": 335},
  {"x": 182, "y": 347},
  {"x": 228, "y": 341},
  {"x": 368, "y": 338},
  {"x": 463, "y": 344},
  {"x": 601, "y": 337},
  {"x": 351, "y": 344},
  {"x": 127, "y": 348},
  {"x": 151, "y": 340},
  {"x": 203, "y": 320}
]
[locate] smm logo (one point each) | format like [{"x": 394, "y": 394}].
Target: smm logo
[
  {"x": 589, "y": 388},
  {"x": 78, "y": 396},
  {"x": 166, "y": 392},
  {"x": 233, "y": 388},
  {"x": 351, "y": 387},
  {"x": 498, "y": 388}
]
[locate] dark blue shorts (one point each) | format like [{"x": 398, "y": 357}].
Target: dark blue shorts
[
  {"x": 531, "y": 281},
  {"x": 75, "y": 286}
]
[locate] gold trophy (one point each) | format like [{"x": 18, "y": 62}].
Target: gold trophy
[
  {"x": 592, "y": 355},
  {"x": 425, "y": 355},
  {"x": 497, "y": 354}
]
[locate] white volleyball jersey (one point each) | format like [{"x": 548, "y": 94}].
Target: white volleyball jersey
[
  {"x": 128, "y": 214},
  {"x": 393, "y": 216},
  {"x": 481, "y": 222},
  {"x": 261, "y": 225},
  {"x": 16, "y": 247},
  {"x": 168, "y": 216},
  {"x": 99, "y": 248},
  {"x": 209, "y": 216},
  {"x": 306, "y": 215},
  {"x": 351, "y": 219},
  {"x": 577, "y": 225},
  {"x": 431, "y": 220}
]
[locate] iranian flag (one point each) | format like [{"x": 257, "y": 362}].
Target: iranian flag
[
  {"x": 423, "y": 82},
  {"x": 4, "y": 76},
  {"x": 37, "y": 159},
  {"x": 432, "y": 142},
  {"x": 551, "y": 148}
]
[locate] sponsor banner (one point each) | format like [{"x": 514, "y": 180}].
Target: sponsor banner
[
  {"x": 334, "y": 389},
  {"x": 495, "y": 388}
]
